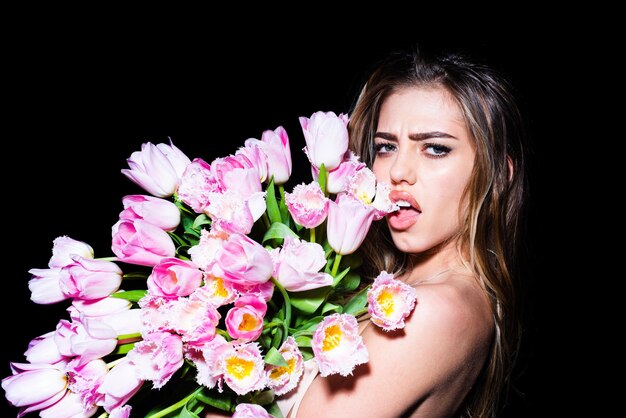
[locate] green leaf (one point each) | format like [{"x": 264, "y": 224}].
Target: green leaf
[
  {"x": 357, "y": 302},
  {"x": 274, "y": 410},
  {"x": 217, "y": 400},
  {"x": 309, "y": 300},
  {"x": 349, "y": 283},
  {"x": 303, "y": 340},
  {"x": 309, "y": 324},
  {"x": 272, "y": 205},
  {"x": 277, "y": 339},
  {"x": 307, "y": 353},
  {"x": 130, "y": 295},
  {"x": 340, "y": 276},
  {"x": 263, "y": 397},
  {"x": 322, "y": 179},
  {"x": 185, "y": 413},
  {"x": 329, "y": 307},
  {"x": 274, "y": 358},
  {"x": 282, "y": 205},
  {"x": 278, "y": 230},
  {"x": 200, "y": 220},
  {"x": 123, "y": 348}
]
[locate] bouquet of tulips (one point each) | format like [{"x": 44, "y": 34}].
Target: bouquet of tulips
[{"x": 222, "y": 285}]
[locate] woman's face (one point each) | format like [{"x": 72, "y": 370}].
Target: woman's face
[{"x": 424, "y": 150}]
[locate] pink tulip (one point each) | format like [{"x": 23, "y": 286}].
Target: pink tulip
[
  {"x": 35, "y": 386},
  {"x": 156, "y": 313},
  {"x": 157, "y": 211},
  {"x": 43, "y": 349},
  {"x": 326, "y": 136},
  {"x": 174, "y": 277},
  {"x": 245, "y": 320},
  {"x": 44, "y": 286},
  {"x": 84, "y": 379},
  {"x": 194, "y": 318},
  {"x": 114, "y": 312},
  {"x": 63, "y": 248},
  {"x": 157, "y": 357},
  {"x": 285, "y": 378},
  {"x": 99, "y": 307},
  {"x": 196, "y": 183},
  {"x": 337, "y": 181},
  {"x": 275, "y": 144},
  {"x": 206, "y": 359},
  {"x": 390, "y": 301},
  {"x": 348, "y": 223},
  {"x": 89, "y": 339},
  {"x": 236, "y": 172},
  {"x": 364, "y": 187},
  {"x": 203, "y": 254},
  {"x": 250, "y": 410},
  {"x": 157, "y": 168},
  {"x": 231, "y": 213},
  {"x": 89, "y": 279},
  {"x": 70, "y": 406},
  {"x": 262, "y": 290},
  {"x": 337, "y": 345},
  {"x": 307, "y": 204},
  {"x": 298, "y": 264},
  {"x": 243, "y": 261},
  {"x": 252, "y": 151},
  {"x": 123, "y": 412},
  {"x": 119, "y": 385},
  {"x": 216, "y": 291},
  {"x": 140, "y": 242},
  {"x": 242, "y": 367}
]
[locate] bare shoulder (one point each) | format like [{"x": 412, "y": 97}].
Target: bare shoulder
[
  {"x": 454, "y": 308},
  {"x": 428, "y": 366}
]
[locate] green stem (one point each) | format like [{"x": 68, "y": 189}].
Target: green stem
[
  {"x": 114, "y": 363},
  {"x": 273, "y": 324},
  {"x": 360, "y": 312},
  {"x": 177, "y": 405},
  {"x": 123, "y": 337},
  {"x": 106, "y": 258},
  {"x": 287, "y": 322},
  {"x": 134, "y": 276},
  {"x": 223, "y": 333},
  {"x": 266, "y": 220},
  {"x": 333, "y": 272},
  {"x": 312, "y": 234}
]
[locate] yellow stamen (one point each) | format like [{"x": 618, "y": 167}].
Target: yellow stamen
[
  {"x": 363, "y": 197},
  {"x": 248, "y": 323},
  {"x": 238, "y": 367},
  {"x": 218, "y": 288},
  {"x": 332, "y": 337},
  {"x": 386, "y": 302},
  {"x": 279, "y": 371}
]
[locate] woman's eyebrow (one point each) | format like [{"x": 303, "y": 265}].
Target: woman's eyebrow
[{"x": 421, "y": 136}]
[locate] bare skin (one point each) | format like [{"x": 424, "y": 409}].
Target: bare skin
[{"x": 425, "y": 152}]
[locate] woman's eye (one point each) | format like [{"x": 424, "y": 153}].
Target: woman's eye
[
  {"x": 435, "y": 150},
  {"x": 384, "y": 148}
]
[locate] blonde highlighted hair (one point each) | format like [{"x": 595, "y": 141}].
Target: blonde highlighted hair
[{"x": 494, "y": 223}]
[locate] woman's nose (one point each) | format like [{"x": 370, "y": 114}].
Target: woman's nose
[{"x": 403, "y": 169}]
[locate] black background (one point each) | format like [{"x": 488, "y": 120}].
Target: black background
[{"x": 79, "y": 102}]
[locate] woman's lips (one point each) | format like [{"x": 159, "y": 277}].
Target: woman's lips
[{"x": 409, "y": 211}]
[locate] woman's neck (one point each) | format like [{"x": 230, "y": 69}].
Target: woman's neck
[{"x": 433, "y": 263}]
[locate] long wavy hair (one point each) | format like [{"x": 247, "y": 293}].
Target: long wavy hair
[{"x": 492, "y": 227}]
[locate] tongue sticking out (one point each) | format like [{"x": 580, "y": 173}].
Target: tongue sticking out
[{"x": 408, "y": 212}]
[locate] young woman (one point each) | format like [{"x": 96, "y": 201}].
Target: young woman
[{"x": 448, "y": 136}]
